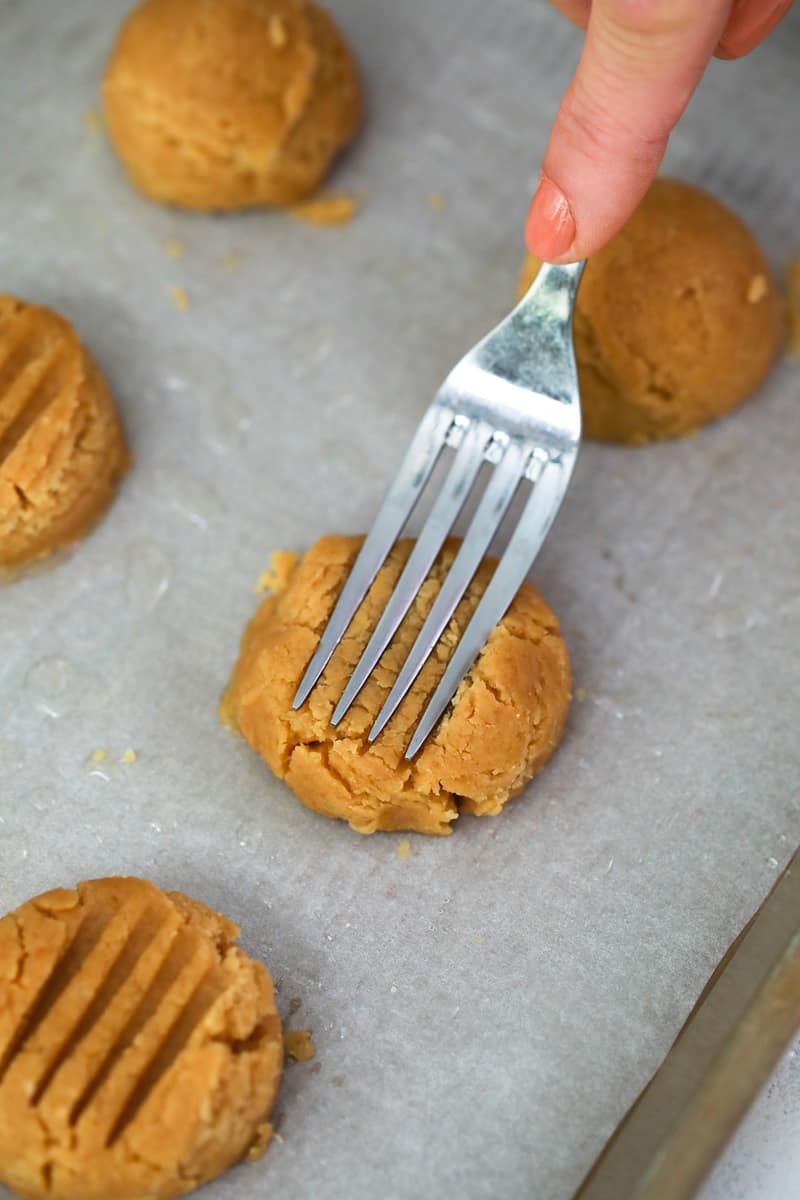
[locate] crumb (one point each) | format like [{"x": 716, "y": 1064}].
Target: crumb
[
  {"x": 338, "y": 1081},
  {"x": 298, "y": 1045},
  {"x": 93, "y": 122},
  {"x": 277, "y": 31},
  {"x": 99, "y": 755},
  {"x": 436, "y": 201},
  {"x": 276, "y": 576},
  {"x": 128, "y": 756},
  {"x": 232, "y": 260},
  {"x": 315, "y": 1068},
  {"x": 295, "y": 1004},
  {"x": 404, "y": 849},
  {"x": 260, "y": 1143},
  {"x": 757, "y": 289},
  {"x": 393, "y": 989},
  {"x": 278, "y": 1138},
  {"x": 179, "y": 297},
  {"x": 174, "y": 248},
  {"x": 793, "y": 305},
  {"x": 327, "y": 210},
  {"x": 580, "y": 694}
]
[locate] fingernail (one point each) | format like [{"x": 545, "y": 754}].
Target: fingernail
[
  {"x": 550, "y": 229},
  {"x": 742, "y": 34}
]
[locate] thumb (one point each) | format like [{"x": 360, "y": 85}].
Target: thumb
[{"x": 640, "y": 64}]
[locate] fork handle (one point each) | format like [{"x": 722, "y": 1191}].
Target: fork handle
[
  {"x": 532, "y": 348},
  {"x": 551, "y": 296}
]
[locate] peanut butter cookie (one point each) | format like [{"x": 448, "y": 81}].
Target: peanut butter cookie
[
  {"x": 62, "y": 450},
  {"x": 505, "y": 722},
  {"x": 677, "y": 321},
  {"x": 140, "y": 1049},
  {"x": 230, "y": 103}
]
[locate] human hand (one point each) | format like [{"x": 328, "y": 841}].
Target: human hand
[{"x": 641, "y": 62}]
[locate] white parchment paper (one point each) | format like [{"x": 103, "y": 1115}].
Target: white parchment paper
[{"x": 485, "y": 1010}]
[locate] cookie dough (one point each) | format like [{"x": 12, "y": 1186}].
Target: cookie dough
[
  {"x": 226, "y": 104},
  {"x": 505, "y": 722},
  {"x": 62, "y": 449},
  {"x": 140, "y": 1048},
  {"x": 677, "y": 321}
]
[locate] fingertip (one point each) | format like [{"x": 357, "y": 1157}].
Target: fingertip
[
  {"x": 550, "y": 226},
  {"x": 748, "y": 26}
]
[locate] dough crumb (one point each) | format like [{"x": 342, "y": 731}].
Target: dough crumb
[
  {"x": 298, "y": 1044},
  {"x": 261, "y": 1142},
  {"x": 276, "y": 576},
  {"x": 793, "y": 305},
  {"x": 174, "y": 248},
  {"x": 93, "y": 122},
  {"x": 327, "y": 210},
  {"x": 128, "y": 756},
  {"x": 404, "y": 849},
  {"x": 179, "y": 297},
  {"x": 232, "y": 260},
  {"x": 99, "y": 755},
  {"x": 436, "y": 201},
  {"x": 757, "y": 289},
  {"x": 580, "y": 694}
]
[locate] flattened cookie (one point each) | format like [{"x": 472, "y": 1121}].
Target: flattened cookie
[
  {"x": 505, "y": 722},
  {"x": 62, "y": 449},
  {"x": 230, "y": 103},
  {"x": 677, "y": 320},
  {"x": 140, "y": 1049}
]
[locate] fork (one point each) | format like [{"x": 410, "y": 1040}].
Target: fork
[{"x": 512, "y": 402}]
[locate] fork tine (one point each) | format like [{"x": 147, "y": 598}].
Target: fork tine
[
  {"x": 442, "y": 517},
  {"x": 524, "y": 545},
  {"x": 415, "y": 469},
  {"x": 493, "y": 507}
]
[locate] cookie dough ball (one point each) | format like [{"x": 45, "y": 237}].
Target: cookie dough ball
[
  {"x": 62, "y": 449},
  {"x": 677, "y": 321},
  {"x": 230, "y": 103},
  {"x": 140, "y": 1048},
  {"x": 505, "y": 722}
]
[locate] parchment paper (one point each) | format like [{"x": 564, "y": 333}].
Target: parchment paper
[{"x": 487, "y": 1009}]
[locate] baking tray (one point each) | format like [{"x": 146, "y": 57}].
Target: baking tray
[{"x": 486, "y": 1010}]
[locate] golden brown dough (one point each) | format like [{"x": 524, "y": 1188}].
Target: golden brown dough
[
  {"x": 678, "y": 318},
  {"x": 221, "y": 104},
  {"x": 62, "y": 449},
  {"x": 506, "y": 720},
  {"x": 140, "y": 1049}
]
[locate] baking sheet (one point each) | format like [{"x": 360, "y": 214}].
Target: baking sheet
[{"x": 487, "y": 1009}]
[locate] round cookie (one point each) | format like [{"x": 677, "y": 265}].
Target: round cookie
[
  {"x": 677, "y": 321},
  {"x": 140, "y": 1048},
  {"x": 505, "y": 722},
  {"x": 225, "y": 104},
  {"x": 62, "y": 449}
]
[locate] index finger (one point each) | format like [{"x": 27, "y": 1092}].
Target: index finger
[{"x": 641, "y": 62}]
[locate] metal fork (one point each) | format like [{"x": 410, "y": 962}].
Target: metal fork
[{"x": 513, "y": 402}]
